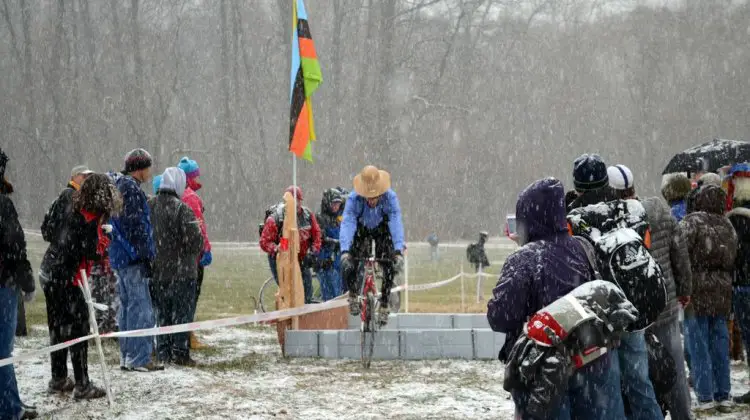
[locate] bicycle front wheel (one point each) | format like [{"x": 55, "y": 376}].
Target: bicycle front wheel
[
  {"x": 267, "y": 295},
  {"x": 368, "y": 329}
]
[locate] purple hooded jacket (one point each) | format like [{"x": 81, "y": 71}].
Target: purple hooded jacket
[{"x": 547, "y": 267}]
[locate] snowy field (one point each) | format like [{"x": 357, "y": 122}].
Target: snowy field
[{"x": 244, "y": 376}]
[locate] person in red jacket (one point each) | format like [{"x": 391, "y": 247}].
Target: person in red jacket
[
  {"x": 309, "y": 238},
  {"x": 194, "y": 201}
]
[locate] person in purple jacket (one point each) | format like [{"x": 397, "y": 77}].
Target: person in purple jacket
[{"x": 550, "y": 264}]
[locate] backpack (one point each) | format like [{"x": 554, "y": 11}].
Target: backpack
[
  {"x": 269, "y": 211},
  {"x": 623, "y": 257}
]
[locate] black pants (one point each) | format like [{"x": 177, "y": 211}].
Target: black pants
[
  {"x": 21, "y": 325},
  {"x": 67, "y": 318},
  {"x": 174, "y": 304},
  {"x": 199, "y": 283},
  {"x": 361, "y": 249}
]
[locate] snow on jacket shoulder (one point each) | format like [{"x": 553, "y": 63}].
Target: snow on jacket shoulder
[
  {"x": 194, "y": 201},
  {"x": 133, "y": 235},
  {"x": 669, "y": 250},
  {"x": 357, "y": 212},
  {"x": 15, "y": 269}
]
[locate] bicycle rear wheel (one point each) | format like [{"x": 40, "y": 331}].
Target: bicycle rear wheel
[
  {"x": 267, "y": 295},
  {"x": 368, "y": 330}
]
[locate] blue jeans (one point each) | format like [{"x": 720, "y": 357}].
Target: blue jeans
[
  {"x": 741, "y": 300},
  {"x": 593, "y": 393},
  {"x": 330, "y": 283},
  {"x": 10, "y": 401},
  {"x": 637, "y": 387},
  {"x": 136, "y": 312},
  {"x": 709, "y": 350}
]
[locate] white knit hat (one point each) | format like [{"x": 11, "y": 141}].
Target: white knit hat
[{"x": 620, "y": 177}]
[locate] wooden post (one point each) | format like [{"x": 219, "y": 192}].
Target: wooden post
[{"x": 291, "y": 292}]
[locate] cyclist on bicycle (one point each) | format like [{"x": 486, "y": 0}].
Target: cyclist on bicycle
[
  {"x": 372, "y": 212},
  {"x": 309, "y": 238}
]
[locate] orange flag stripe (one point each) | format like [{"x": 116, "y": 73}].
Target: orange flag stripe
[
  {"x": 301, "y": 132},
  {"x": 307, "y": 48}
]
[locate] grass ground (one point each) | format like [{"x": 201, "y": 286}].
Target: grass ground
[{"x": 233, "y": 281}]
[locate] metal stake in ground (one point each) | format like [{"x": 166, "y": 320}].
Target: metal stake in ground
[{"x": 95, "y": 329}]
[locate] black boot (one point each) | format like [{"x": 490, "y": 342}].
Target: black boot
[
  {"x": 743, "y": 399},
  {"x": 88, "y": 392}
]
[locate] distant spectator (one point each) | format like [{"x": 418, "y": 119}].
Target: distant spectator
[
  {"x": 81, "y": 242},
  {"x": 309, "y": 238},
  {"x": 675, "y": 189},
  {"x": 712, "y": 245},
  {"x": 131, "y": 256},
  {"x": 15, "y": 274},
  {"x": 476, "y": 254},
  {"x": 193, "y": 200},
  {"x": 434, "y": 241},
  {"x": 591, "y": 181},
  {"x": 178, "y": 243}
]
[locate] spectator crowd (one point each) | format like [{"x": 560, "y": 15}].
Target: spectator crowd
[{"x": 681, "y": 260}]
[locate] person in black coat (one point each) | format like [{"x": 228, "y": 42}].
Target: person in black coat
[
  {"x": 591, "y": 182},
  {"x": 80, "y": 242},
  {"x": 179, "y": 243},
  {"x": 15, "y": 275}
]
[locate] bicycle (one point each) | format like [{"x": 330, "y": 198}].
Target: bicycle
[
  {"x": 369, "y": 304},
  {"x": 267, "y": 293}
]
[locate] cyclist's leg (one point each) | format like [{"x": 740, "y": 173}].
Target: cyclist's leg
[
  {"x": 384, "y": 250},
  {"x": 360, "y": 249}
]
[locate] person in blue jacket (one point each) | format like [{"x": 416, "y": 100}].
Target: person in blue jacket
[
  {"x": 131, "y": 255},
  {"x": 372, "y": 212},
  {"x": 329, "y": 259}
]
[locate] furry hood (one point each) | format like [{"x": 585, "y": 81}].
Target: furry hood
[{"x": 675, "y": 187}]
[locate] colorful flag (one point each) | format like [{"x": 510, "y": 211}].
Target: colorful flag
[{"x": 305, "y": 79}]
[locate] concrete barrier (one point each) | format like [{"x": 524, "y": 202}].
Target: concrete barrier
[{"x": 406, "y": 344}]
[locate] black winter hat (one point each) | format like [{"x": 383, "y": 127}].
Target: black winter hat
[
  {"x": 589, "y": 173},
  {"x": 137, "y": 159}
]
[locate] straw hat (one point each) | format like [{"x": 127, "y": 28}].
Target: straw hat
[{"x": 372, "y": 182}]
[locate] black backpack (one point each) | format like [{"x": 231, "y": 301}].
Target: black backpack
[{"x": 623, "y": 257}]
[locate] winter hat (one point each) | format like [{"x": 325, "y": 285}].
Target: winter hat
[
  {"x": 589, "y": 173},
  {"x": 136, "y": 160},
  {"x": 675, "y": 187},
  {"x": 295, "y": 191},
  {"x": 710, "y": 178},
  {"x": 80, "y": 170},
  {"x": 157, "y": 183},
  {"x": 174, "y": 179},
  {"x": 620, "y": 177},
  {"x": 190, "y": 167}
]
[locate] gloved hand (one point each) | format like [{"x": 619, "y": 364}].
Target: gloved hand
[
  {"x": 346, "y": 258},
  {"x": 206, "y": 259},
  {"x": 398, "y": 262},
  {"x": 28, "y": 297},
  {"x": 326, "y": 264},
  {"x": 148, "y": 269}
]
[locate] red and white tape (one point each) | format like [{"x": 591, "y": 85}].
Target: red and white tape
[{"x": 218, "y": 323}]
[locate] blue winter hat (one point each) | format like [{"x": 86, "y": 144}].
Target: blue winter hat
[
  {"x": 157, "y": 183},
  {"x": 190, "y": 167},
  {"x": 589, "y": 173}
]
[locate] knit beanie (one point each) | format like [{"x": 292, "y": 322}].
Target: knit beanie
[
  {"x": 620, "y": 177},
  {"x": 190, "y": 167},
  {"x": 710, "y": 178},
  {"x": 589, "y": 173},
  {"x": 136, "y": 160}
]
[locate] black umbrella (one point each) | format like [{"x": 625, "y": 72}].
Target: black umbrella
[{"x": 709, "y": 156}]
